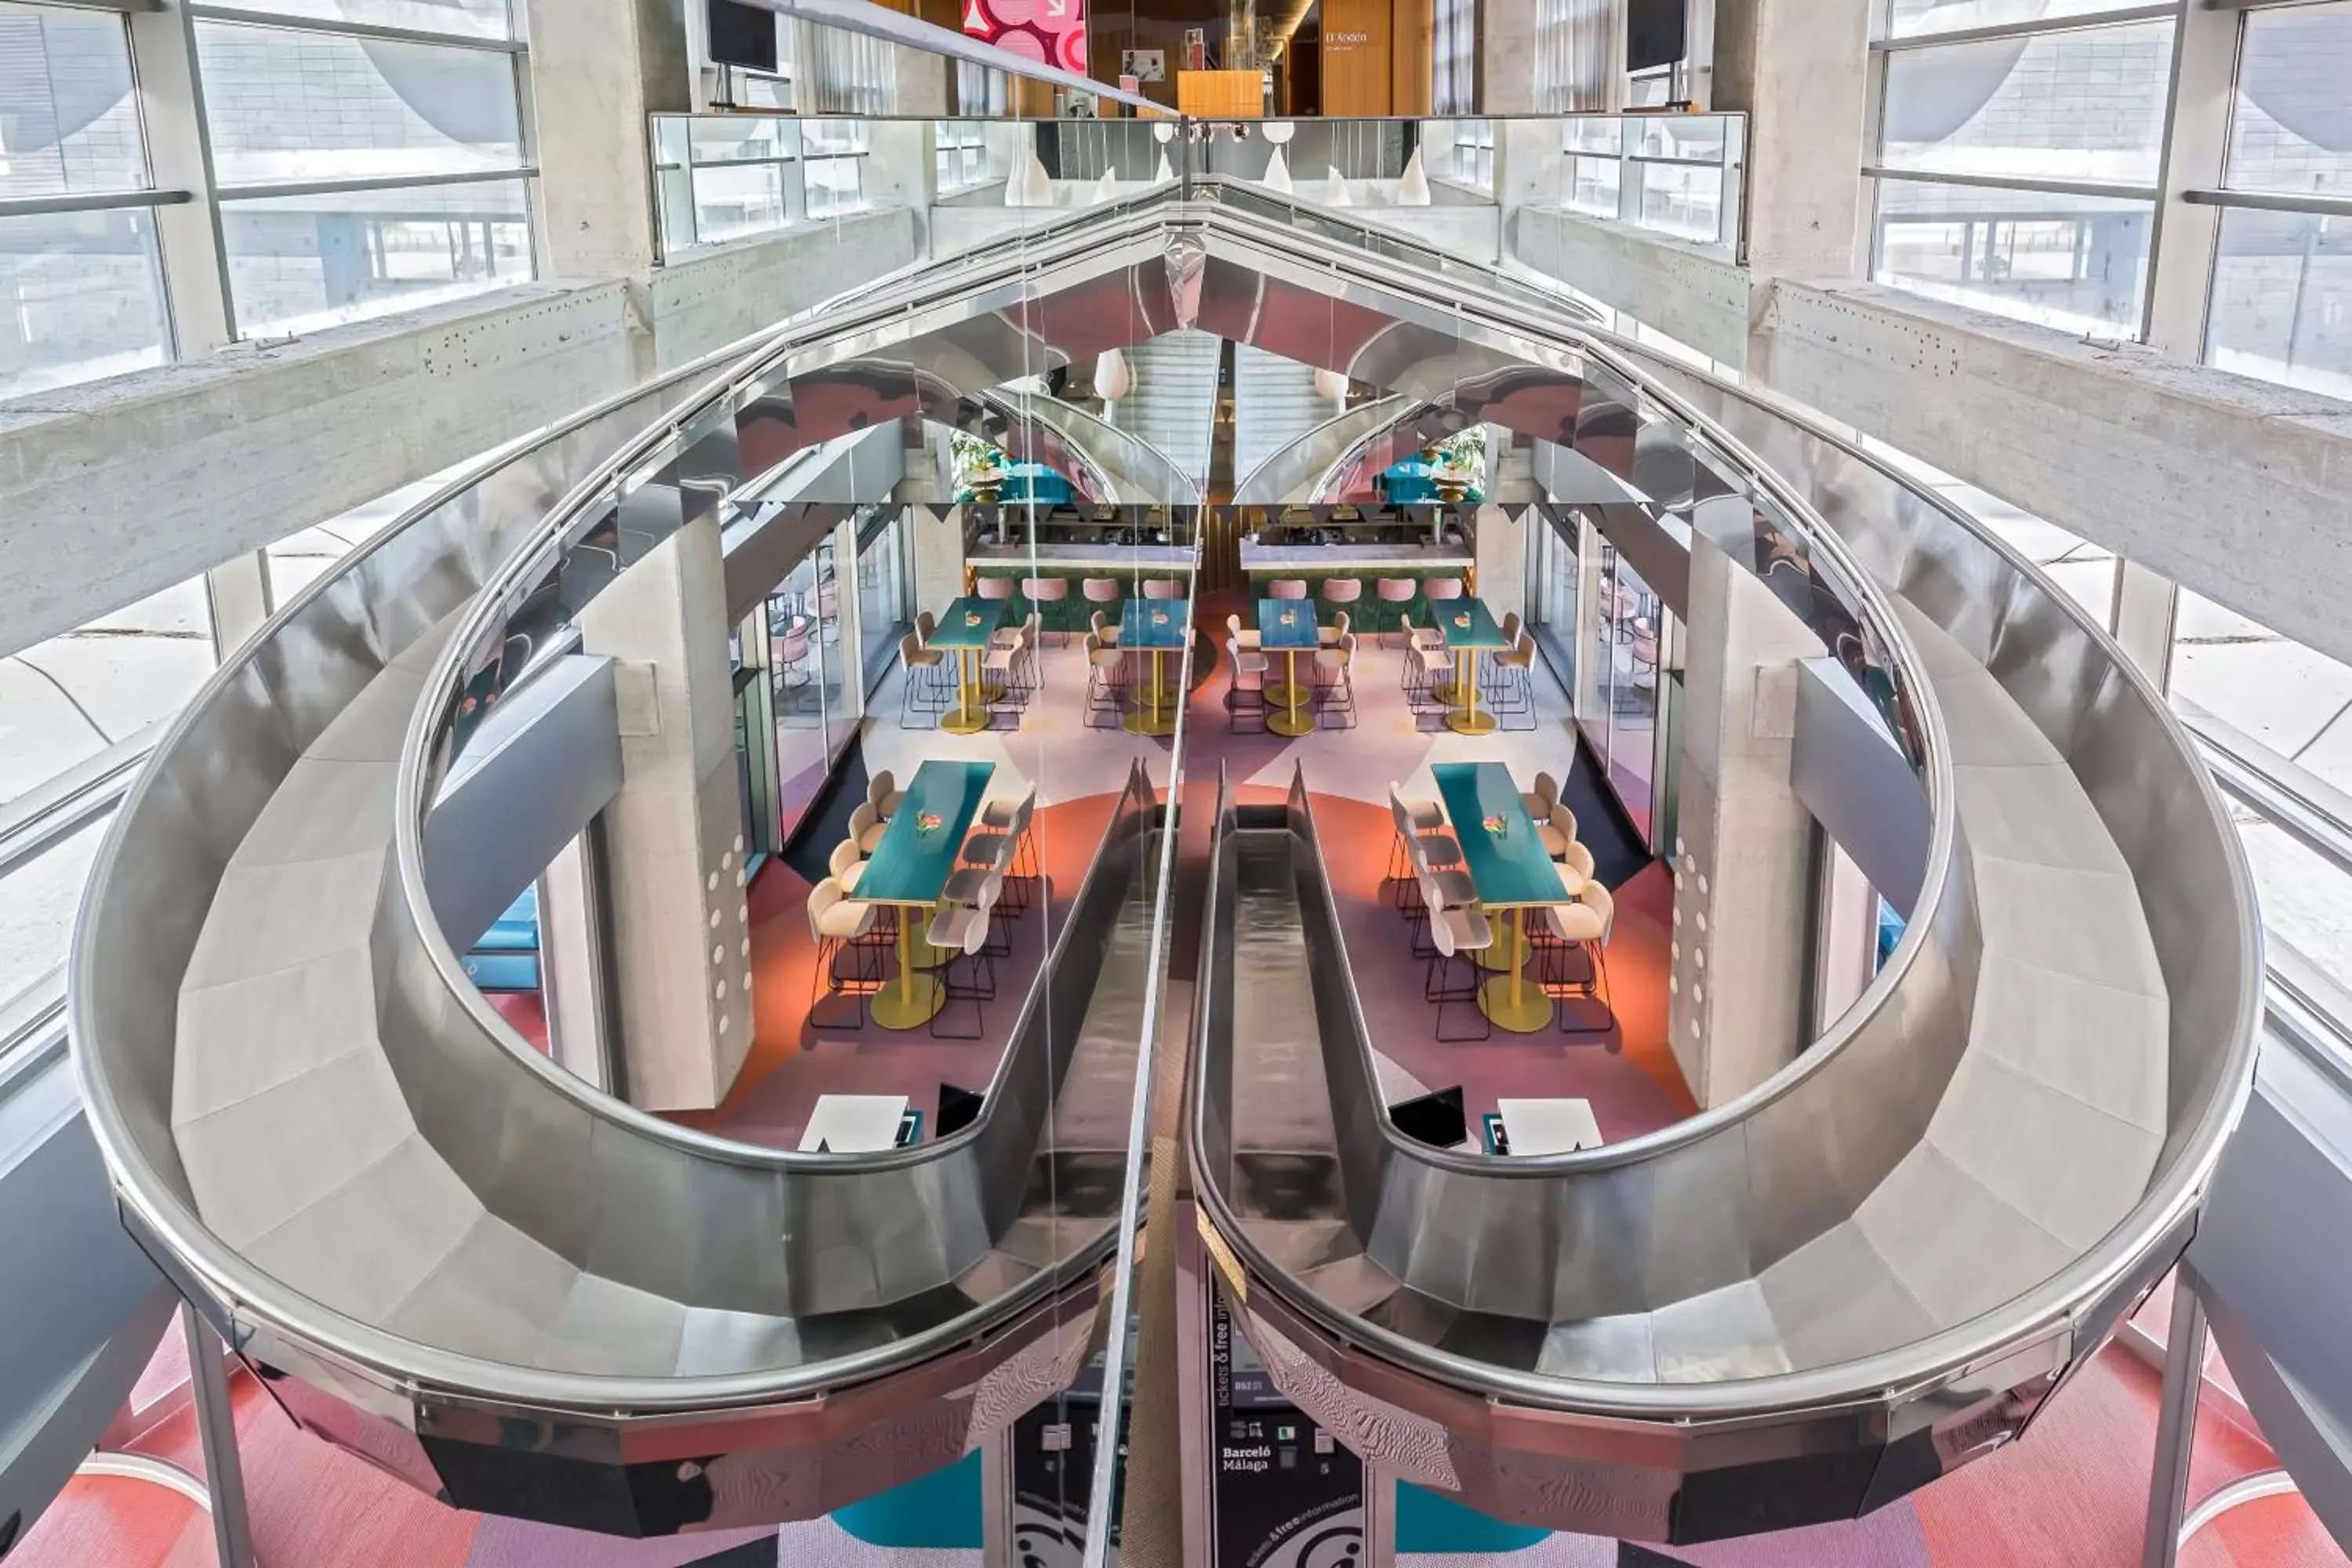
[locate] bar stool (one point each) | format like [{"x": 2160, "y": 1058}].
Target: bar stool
[
  {"x": 1542, "y": 798},
  {"x": 1241, "y": 636},
  {"x": 1586, "y": 926},
  {"x": 1441, "y": 588},
  {"x": 962, "y": 934},
  {"x": 1106, "y": 685},
  {"x": 1249, "y": 680},
  {"x": 1510, "y": 682},
  {"x": 923, "y": 693},
  {"x": 839, "y": 925},
  {"x": 1426, "y": 663},
  {"x": 1002, "y": 664},
  {"x": 1558, "y": 830},
  {"x": 882, "y": 793},
  {"x": 866, "y": 828},
  {"x": 926, "y": 624},
  {"x": 789, "y": 653},
  {"x": 996, "y": 849},
  {"x": 1334, "y": 679},
  {"x": 1511, "y": 625},
  {"x": 980, "y": 888},
  {"x": 1578, "y": 857},
  {"x": 1396, "y": 591},
  {"x": 1415, "y": 821},
  {"x": 1455, "y": 931},
  {"x": 845, "y": 865},
  {"x": 1286, "y": 588},
  {"x": 1342, "y": 590},
  {"x": 1331, "y": 636},
  {"x": 1005, "y": 816},
  {"x": 997, "y": 590},
  {"x": 1102, "y": 591},
  {"x": 1162, "y": 588},
  {"x": 1104, "y": 629},
  {"x": 1042, "y": 591},
  {"x": 1031, "y": 635}
]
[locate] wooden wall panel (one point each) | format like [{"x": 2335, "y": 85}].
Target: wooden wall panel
[
  {"x": 1412, "y": 31},
  {"x": 1356, "y": 57}
]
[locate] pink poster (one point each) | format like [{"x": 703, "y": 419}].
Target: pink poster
[{"x": 1052, "y": 32}]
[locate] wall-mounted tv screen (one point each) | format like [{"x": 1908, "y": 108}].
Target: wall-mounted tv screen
[
  {"x": 1655, "y": 34},
  {"x": 742, "y": 36}
]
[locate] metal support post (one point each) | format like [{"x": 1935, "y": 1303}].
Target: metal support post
[
  {"x": 2176, "y": 1430},
  {"x": 216, "y": 1425}
]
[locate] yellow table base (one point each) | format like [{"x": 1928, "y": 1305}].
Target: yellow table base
[
  {"x": 963, "y": 721},
  {"x": 1154, "y": 720},
  {"x": 1290, "y": 722},
  {"x": 969, "y": 715},
  {"x": 1286, "y": 693},
  {"x": 1529, "y": 1012},
  {"x": 1470, "y": 722},
  {"x": 1509, "y": 947},
  {"x": 910, "y": 1002},
  {"x": 913, "y": 998},
  {"x": 1464, "y": 718}
]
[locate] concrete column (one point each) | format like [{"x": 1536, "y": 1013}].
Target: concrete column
[
  {"x": 1502, "y": 557},
  {"x": 1528, "y": 168},
  {"x": 179, "y": 154},
  {"x": 1800, "y": 70},
  {"x": 1509, "y": 44},
  {"x": 939, "y": 555},
  {"x": 673, "y": 837},
  {"x": 599, "y": 69},
  {"x": 2145, "y": 603},
  {"x": 238, "y": 594},
  {"x": 1743, "y": 849}
]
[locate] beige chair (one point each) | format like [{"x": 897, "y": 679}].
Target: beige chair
[
  {"x": 1334, "y": 679},
  {"x": 1003, "y": 663},
  {"x": 866, "y": 828},
  {"x": 1241, "y": 636},
  {"x": 1542, "y": 798},
  {"x": 1510, "y": 681},
  {"x": 1579, "y": 859},
  {"x": 1456, "y": 932},
  {"x": 1249, "y": 680},
  {"x": 1330, "y": 636},
  {"x": 924, "y": 692},
  {"x": 970, "y": 973},
  {"x": 926, "y": 624},
  {"x": 1106, "y": 683},
  {"x": 841, "y": 926},
  {"x": 846, "y": 865},
  {"x": 1105, "y": 630},
  {"x": 1418, "y": 839},
  {"x": 1584, "y": 928},
  {"x": 882, "y": 793},
  {"x": 1557, "y": 830},
  {"x": 1016, "y": 817}
]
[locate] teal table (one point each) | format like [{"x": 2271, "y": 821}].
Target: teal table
[
  {"x": 1511, "y": 872},
  {"x": 1289, "y": 637},
  {"x": 965, "y": 630},
  {"x": 1156, "y": 627},
  {"x": 1470, "y": 630},
  {"x": 910, "y": 868}
]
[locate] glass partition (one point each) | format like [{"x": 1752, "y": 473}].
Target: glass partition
[{"x": 1675, "y": 174}]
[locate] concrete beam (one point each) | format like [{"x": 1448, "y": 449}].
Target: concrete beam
[
  {"x": 119, "y": 489},
  {"x": 2231, "y": 484}
]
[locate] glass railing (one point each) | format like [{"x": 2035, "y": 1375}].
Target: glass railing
[
  {"x": 1675, "y": 174},
  {"x": 720, "y": 178}
]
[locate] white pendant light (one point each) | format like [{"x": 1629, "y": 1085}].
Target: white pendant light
[
  {"x": 1338, "y": 196},
  {"x": 1277, "y": 174},
  {"x": 1029, "y": 186},
  {"x": 1107, "y": 188},
  {"x": 1113, "y": 377},
  {"x": 1412, "y": 191},
  {"x": 1163, "y": 173}
]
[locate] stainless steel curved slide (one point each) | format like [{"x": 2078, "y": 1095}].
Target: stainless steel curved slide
[{"x": 453, "y": 1259}]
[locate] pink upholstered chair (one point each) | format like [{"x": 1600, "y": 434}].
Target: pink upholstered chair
[
  {"x": 1395, "y": 590},
  {"x": 1443, "y": 587},
  {"x": 1286, "y": 588},
  {"x": 1162, "y": 588},
  {"x": 1042, "y": 591},
  {"x": 996, "y": 588}
]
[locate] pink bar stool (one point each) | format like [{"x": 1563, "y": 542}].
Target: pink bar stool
[
  {"x": 996, "y": 588},
  {"x": 1286, "y": 588},
  {"x": 1162, "y": 588},
  {"x": 1103, "y": 591},
  {"x": 1443, "y": 587},
  {"x": 1042, "y": 591},
  {"x": 1397, "y": 591}
]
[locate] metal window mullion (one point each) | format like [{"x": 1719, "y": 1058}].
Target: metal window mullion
[
  {"x": 2100, "y": 190},
  {"x": 542, "y": 261},
  {"x": 87, "y": 201},
  {"x": 2185, "y": 237},
  {"x": 2031, "y": 28},
  {"x": 366, "y": 184},
  {"x": 2315, "y": 202},
  {"x": 191, "y": 249},
  {"x": 289, "y": 22}
]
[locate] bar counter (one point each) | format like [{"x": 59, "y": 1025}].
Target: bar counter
[{"x": 1368, "y": 564}]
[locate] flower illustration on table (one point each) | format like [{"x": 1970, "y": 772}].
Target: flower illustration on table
[
  {"x": 1463, "y": 619},
  {"x": 1497, "y": 824},
  {"x": 1289, "y": 617},
  {"x": 1158, "y": 617},
  {"x": 927, "y": 822},
  {"x": 972, "y": 618}
]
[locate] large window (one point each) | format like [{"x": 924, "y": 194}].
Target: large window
[
  {"x": 2017, "y": 173},
  {"x": 730, "y": 176},
  {"x": 362, "y": 176},
  {"x": 2282, "y": 293},
  {"x": 79, "y": 280}
]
